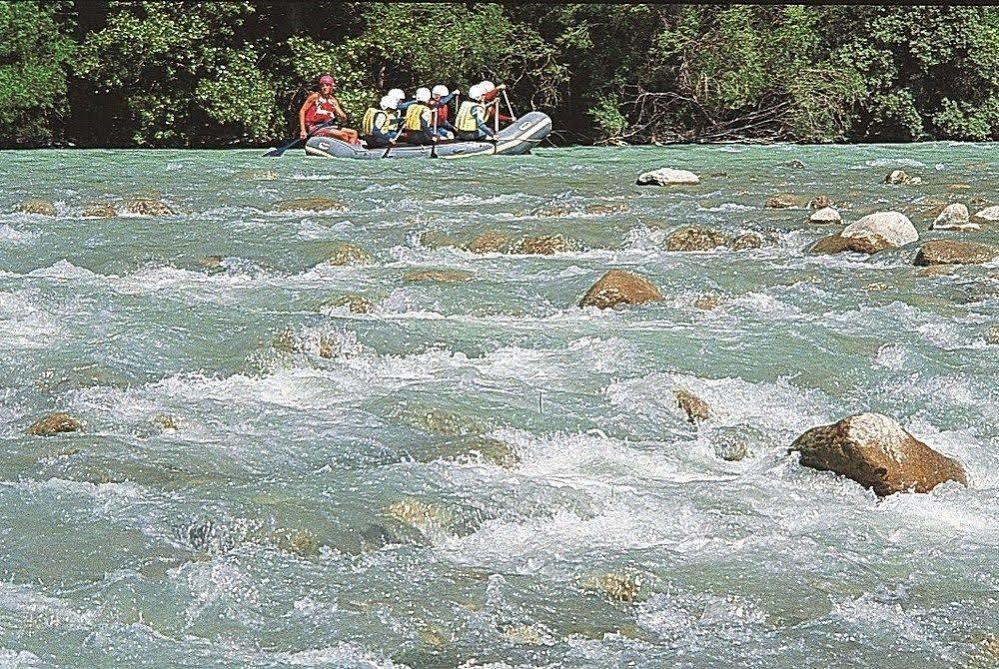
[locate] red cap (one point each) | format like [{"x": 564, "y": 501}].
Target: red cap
[{"x": 326, "y": 79}]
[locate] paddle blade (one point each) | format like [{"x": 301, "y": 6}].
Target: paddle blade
[{"x": 275, "y": 153}]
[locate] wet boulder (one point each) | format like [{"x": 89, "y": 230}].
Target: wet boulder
[
  {"x": 954, "y": 217},
  {"x": 947, "y": 252},
  {"x": 37, "y": 206},
  {"x": 746, "y": 241},
  {"x": 877, "y": 453},
  {"x": 987, "y": 216},
  {"x": 437, "y": 275},
  {"x": 992, "y": 335},
  {"x": 544, "y": 245},
  {"x": 692, "y": 405},
  {"x": 900, "y": 177},
  {"x": 667, "y": 177},
  {"x": 601, "y": 209},
  {"x": 795, "y": 164},
  {"x": 820, "y": 202},
  {"x": 825, "y": 216},
  {"x": 893, "y": 227},
  {"x": 695, "y": 239},
  {"x": 707, "y": 302},
  {"x": 618, "y": 287},
  {"x": 489, "y": 242},
  {"x": 54, "y": 423},
  {"x": 99, "y": 210},
  {"x": 146, "y": 207},
  {"x": 782, "y": 201},
  {"x": 344, "y": 253},
  {"x": 316, "y": 204},
  {"x": 868, "y": 243}
]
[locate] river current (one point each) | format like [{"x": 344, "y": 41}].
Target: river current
[{"x": 291, "y": 463}]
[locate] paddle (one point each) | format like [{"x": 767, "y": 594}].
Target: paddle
[{"x": 275, "y": 153}]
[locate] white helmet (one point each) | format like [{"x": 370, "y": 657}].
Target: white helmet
[
  {"x": 476, "y": 92},
  {"x": 397, "y": 94},
  {"x": 441, "y": 90},
  {"x": 389, "y": 102},
  {"x": 487, "y": 86},
  {"x": 423, "y": 94}
]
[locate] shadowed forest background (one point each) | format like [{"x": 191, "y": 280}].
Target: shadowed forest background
[{"x": 177, "y": 74}]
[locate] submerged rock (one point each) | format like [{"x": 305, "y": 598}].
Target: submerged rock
[
  {"x": 877, "y": 453},
  {"x": 489, "y": 242},
  {"x": 317, "y": 204},
  {"x": 211, "y": 263},
  {"x": 820, "y": 202},
  {"x": 344, "y": 253},
  {"x": 695, "y": 239},
  {"x": 667, "y": 177},
  {"x": 782, "y": 201},
  {"x": 617, "y": 586},
  {"x": 935, "y": 270},
  {"x": 544, "y": 245},
  {"x": 37, "y": 206},
  {"x": 601, "y": 209},
  {"x": 692, "y": 405},
  {"x": 731, "y": 449},
  {"x": 165, "y": 422},
  {"x": 552, "y": 211},
  {"x": 706, "y": 302},
  {"x": 901, "y": 177},
  {"x": 869, "y": 243},
  {"x": 746, "y": 241},
  {"x": 618, "y": 287},
  {"x": 989, "y": 215},
  {"x": 146, "y": 207},
  {"x": 438, "y": 275},
  {"x": 954, "y": 217},
  {"x": 893, "y": 227},
  {"x": 795, "y": 164},
  {"x": 356, "y": 304},
  {"x": 54, "y": 423},
  {"x": 825, "y": 216},
  {"x": 947, "y": 252},
  {"x": 99, "y": 210}
]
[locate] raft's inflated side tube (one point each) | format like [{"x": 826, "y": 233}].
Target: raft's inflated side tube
[{"x": 518, "y": 138}]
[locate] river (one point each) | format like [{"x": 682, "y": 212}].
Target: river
[{"x": 287, "y": 462}]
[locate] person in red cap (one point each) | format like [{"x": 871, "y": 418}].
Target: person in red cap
[{"x": 321, "y": 108}]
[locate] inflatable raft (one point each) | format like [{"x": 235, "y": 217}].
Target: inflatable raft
[{"x": 518, "y": 138}]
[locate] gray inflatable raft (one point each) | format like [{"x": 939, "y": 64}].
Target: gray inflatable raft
[{"x": 518, "y": 138}]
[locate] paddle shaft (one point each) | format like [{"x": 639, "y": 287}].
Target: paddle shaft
[{"x": 276, "y": 153}]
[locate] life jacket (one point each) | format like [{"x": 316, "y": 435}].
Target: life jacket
[
  {"x": 414, "y": 113},
  {"x": 465, "y": 122},
  {"x": 368, "y": 122},
  {"x": 320, "y": 112}
]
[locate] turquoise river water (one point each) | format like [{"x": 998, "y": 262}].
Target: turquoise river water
[{"x": 479, "y": 473}]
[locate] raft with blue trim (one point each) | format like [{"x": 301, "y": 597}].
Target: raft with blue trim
[{"x": 518, "y": 138}]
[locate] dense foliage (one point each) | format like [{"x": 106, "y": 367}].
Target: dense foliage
[{"x": 161, "y": 73}]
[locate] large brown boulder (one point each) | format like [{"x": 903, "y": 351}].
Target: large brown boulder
[
  {"x": 745, "y": 241},
  {"x": 947, "y": 252},
  {"x": 54, "y": 423},
  {"x": 344, "y": 253},
  {"x": 489, "y": 242},
  {"x": 695, "y": 239},
  {"x": 877, "y": 453},
  {"x": 99, "y": 210},
  {"x": 619, "y": 287},
  {"x": 692, "y": 405}
]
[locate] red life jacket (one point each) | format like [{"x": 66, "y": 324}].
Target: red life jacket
[{"x": 320, "y": 112}]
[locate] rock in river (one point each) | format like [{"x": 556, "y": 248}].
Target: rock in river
[
  {"x": 893, "y": 227},
  {"x": 695, "y": 239},
  {"x": 54, "y": 423},
  {"x": 145, "y": 207},
  {"x": 438, "y": 275},
  {"x": 782, "y": 201},
  {"x": 954, "y": 217},
  {"x": 869, "y": 243},
  {"x": 544, "y": 245},
  {"x": 489, "y": 242},
  {"x": 877, "y": 453},
  {"x": 37, "y": 206},
  {"x": 619, "y": 287},
  {"x": 986, "y": 216},
  {"x": 745, "y": 241},
  {"x": 901, "y": 177},
  {"x": 826, "y": 215},
  {"x": 692, "y": 405},
  {"x": 947, "y": 252},
  {"x": 99, "y": 210},
  {"x": 344, "y": 253},
  {"x": 667, "y": 177}
]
